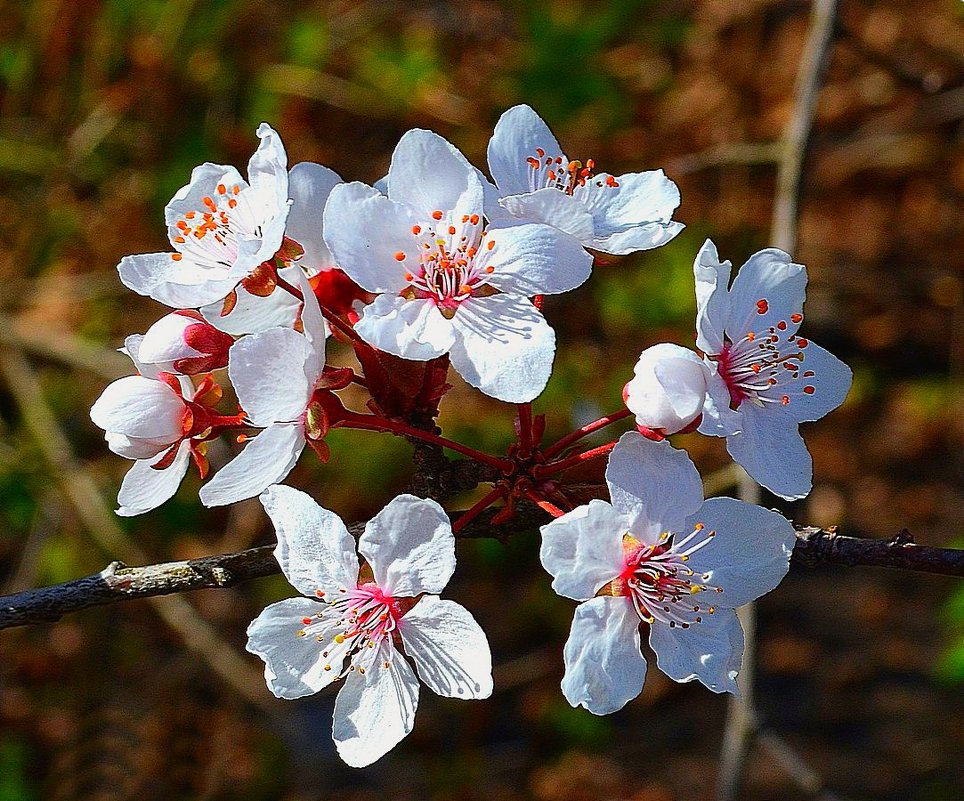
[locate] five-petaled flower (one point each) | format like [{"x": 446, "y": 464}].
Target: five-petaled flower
[
  {"x": 444, "y": 282},
  {"x": 765, "y": 378},
  {"x": 353, "y": 620},
  {"x": 659, "y": 554},
  {"x": 536, "y": 182}
]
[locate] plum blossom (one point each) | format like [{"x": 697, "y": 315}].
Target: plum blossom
[
  {"x": 765, "y": 379},
  {"x": 275, "y": 374},
  {"x": 658, "y": 554},
  {"x": 536, "y": 182},
  {"x": 160, "y": 420},
  {"x": 184, "y": 342},
  {"x": 668, "y": 390},
  {"x": 444, "y": 282},
  {"x": 352, "y": 621},
  {"x": 221, "y": 227}
]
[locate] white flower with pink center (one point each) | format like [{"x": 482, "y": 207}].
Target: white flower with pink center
[
  {"x": 536, "y": 182},
  {"x": 765, "y": 378},
  {"x": 353, "y": 621},
  {"x": 444, "y": 282},
  {"x": 658, "y": 554}
]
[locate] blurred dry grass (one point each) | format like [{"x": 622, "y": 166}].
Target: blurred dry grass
[{"x": 105, "y": 105}]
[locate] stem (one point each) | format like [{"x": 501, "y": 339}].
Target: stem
[
  {"x": 558, "y": 447},
  {"x": 525, "y": 429},
  {"x": 564, "y": 464},
  {"x": 327, "y": 313},
  {"x": 470, "y": 514},
  {"x": 543, "y": 504},
  {"x": 291, "y": 289},
  {"x": 370, "y": 422}
]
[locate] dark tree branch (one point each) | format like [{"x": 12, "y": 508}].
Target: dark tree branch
[{"x": 117, "y": 582}]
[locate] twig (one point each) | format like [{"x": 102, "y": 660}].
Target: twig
[{"x": 117, "y": 582}]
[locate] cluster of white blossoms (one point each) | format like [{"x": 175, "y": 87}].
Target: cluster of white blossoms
[{"x": 436, "y": 264}]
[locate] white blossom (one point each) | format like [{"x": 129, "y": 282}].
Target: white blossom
[
  {"x": 658, "y": 554},
  {"x": 350, "y": 622},
  {"x": 668, "y": 390}
]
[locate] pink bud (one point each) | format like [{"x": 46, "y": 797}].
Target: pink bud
[{"x": 185, "y": 342}]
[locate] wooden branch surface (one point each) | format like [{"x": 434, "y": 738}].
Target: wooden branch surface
[{"x": 118, "y": 582}]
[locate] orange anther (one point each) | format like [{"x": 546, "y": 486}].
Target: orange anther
[
  {"x": 809, "y": 390},
  {"x": 176, "y": 257},
  {"x": 409, "y": 277},
  {"x": 490, "y": 269},
  {"x": 232, "y": 203},
  {"x": 416, "y": 229},
  {"x": 209, "y": 203},
  {"x": 796, "y": 318},
  {"x": 400, "y": 256},
  {"x": 436, "y": 215},
  {"x": 750, "y": 336},
  {"x": 755, "y": 368},
  {"x": 236, "y": 189},
  {"x": 189, "y": 215},
  {"x": 180, "y": 240},
  {"x": 474, "y": 219},
  {"x": 491, "y": 244},
  {"x": 802, "y": 343},
  {"x": 540, "y": 152},
  {"x": 782, "y": 325},
  {"x": 222, "y": 189},
  {"x": 532, "y": 163},
  {"x": 306, "y": 620},
  {"x": 809, "y": 374},
  {"x": 762, "y": 307},
  {"x": 451, "y": 230},
  {"x": 785, "y": 400}
]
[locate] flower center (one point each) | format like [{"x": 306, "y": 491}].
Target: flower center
[
  {"x": 658, "y": 581},
  {"x": 209, "y": 237},
  {"x": 763, "y": 364},
  {"x": 360, "y": 618},
  {"x": 564, "y": 174},
  {"x": 452, "y": 261}
]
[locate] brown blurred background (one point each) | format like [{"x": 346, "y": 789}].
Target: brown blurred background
[{"x": 106, "y": 105}]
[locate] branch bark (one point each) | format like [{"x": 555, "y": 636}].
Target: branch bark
[{"x": 118, "y": 582}]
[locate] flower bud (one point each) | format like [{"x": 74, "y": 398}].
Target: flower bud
[
  {"x": 141, "y": 416},
  {"x": 185, "y": 342},
  {"x": 668, "y": 391}
]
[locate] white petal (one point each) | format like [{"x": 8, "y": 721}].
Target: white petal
[
  {"x": 768, "y": 275},
  {"x": 494, "y": 213},
  {"x": 605, "y": 669},
  {"x": 535, "y": 260},
  {"x": 268, "y": 374},
  {"x": 309, "y": 185},
  {"x": 412, "y": 329},
  {"x": 504, "y": 346},
  {"x": 830, "y": 382},
  {"x": 365, "y": 230},
  {"x": 669, "y": 388},
  {"x": 375, "y": 710},
  {"x": 583, "y": 549},
  {"x": 643, "y": 202},
  {"x": 315, "y": 550},
  {"x": 769, "y": 447},
  {"x": 293, "y": 666},
  {"x": 181, "y": 284},
  {"x": 641, "y": 237},
  {"x": 137, "y": 447},
  {"x": 253, "y": 314},
  {"x": 552, "y": 207},
  {"x": 265, "y": 460},
  {"x": 711, "y": 651},
  {"x": 429, "y": 174},
  {"x": 268, "y": 168},
  {"x": 410, "y": 547},
  {"x": 750, "y": 554},
  {"x": 653, "y": 484},
  {"x": 139, "y": 407},
  {"x": 712, "y": 298},
  {"x": 517, "y": 135},
  {"x": 450, "y": 650},
  {"x": 145, "y": 488},
  {"x": 719, "y": 420}
]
